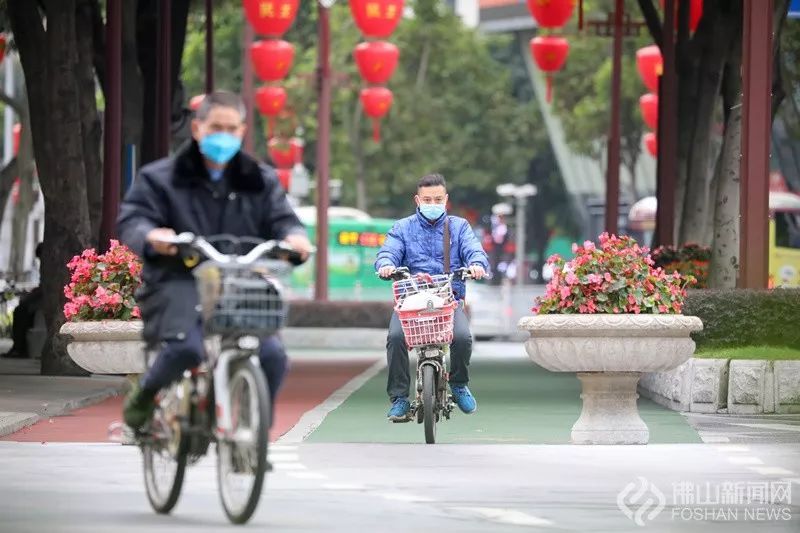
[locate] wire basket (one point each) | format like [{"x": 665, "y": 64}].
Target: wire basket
[
  {"x": 433, "y": 284},
  {"x": 428, "y": 327},
  {"x": 240, "y": 300}
]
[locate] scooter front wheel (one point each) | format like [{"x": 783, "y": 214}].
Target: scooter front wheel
[{"x": 429, "y": 403}]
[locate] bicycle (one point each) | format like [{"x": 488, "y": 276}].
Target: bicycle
[
  {"x": 226, "y": 400},
  {"x": 425, "y": 306}
]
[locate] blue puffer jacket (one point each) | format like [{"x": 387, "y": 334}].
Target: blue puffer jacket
[{"x": 418, "y": 244}]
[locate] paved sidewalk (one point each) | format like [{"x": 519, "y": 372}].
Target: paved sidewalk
[{"x": 24, "y": 399}]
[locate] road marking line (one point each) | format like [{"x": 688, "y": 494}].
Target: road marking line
[
  {"x": 733, "y": 448},
  {"x": 280, "y": 448},
  {"x": 772, "y": 471},
  {"x": 307, "y": 475},
  {"x": 505, "y": 516},
  {"x": 408, "y": 498},
  {"x": 290, "y": 466},
  {"x": 713, "y": 439},
  {"x": 746, "y": 460},
  {"x": 283, "y": 457},
  {"x": 775, "y": 427},
  {"x": 313, "y": 418},
  {"x": 343, "y": 486}
]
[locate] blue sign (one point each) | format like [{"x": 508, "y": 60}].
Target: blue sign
[{"x": 794, "y": 9}]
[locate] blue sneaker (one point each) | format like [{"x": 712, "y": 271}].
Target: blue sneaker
[
  {"x": 399, "y": 410},
  {"x": 464, "y": 399}
]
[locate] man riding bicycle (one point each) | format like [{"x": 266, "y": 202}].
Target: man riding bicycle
[
  {"x": 418, "y": 242},
  {"x": 208, "y": 188}
]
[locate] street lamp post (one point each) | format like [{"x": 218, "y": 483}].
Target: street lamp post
[{"x": 520, "y": 193}]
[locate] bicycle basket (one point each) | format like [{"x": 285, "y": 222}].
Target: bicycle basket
[
  {"x": 428, "y": 327},
  {"x": 240, "y": 300},
  {"x": 434, "y": 284}
]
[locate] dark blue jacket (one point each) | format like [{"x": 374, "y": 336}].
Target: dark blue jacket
[{"x": 417, "y": 243}]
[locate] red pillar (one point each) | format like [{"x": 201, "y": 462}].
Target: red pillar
[
  {"x": 163, "y": 121},
  {"x": 612, "y": 172},
  {"x": 112, "y": 138},
  {"x": 323, "y": 153},
  {"x": 667, "y": 163},
  {"x": 247, "y": 85},
  {"x": 756, "y": 130}
]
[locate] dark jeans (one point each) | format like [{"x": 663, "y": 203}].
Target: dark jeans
[
  {"x": 24, "y": 318},
  {"x": 181, "y": 355},
  {"x": 397, "y": 354}
]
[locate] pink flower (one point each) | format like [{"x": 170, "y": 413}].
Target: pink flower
[
  {"x": 607, "y": 276},
  {"x": 574, "y": 247},
  {"x": 572, "y": 279},
  {"x": 663, "y": 309},
  {"x": 136, "y": 313},
  {"x": 595, "y": 278},
  {"x": 565, "y": 292},
  {"x": 588, "y": 245}
]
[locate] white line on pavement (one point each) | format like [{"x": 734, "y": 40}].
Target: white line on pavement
[
  {"x": 307, "y": 475},
  {"x": 343, "y": 486},
  {"x": 289, "y": 466},
  {"x": 313, "y": 418},
  {"x": 733, "y": 448},
  {"x": 772, "y": 471},
  {"x": 710, "y": 438},
  {"x": 409, "y": 498},
  {"x": 745, "y": 460},
  {"x": 775, "y": 427},
  {"x": 505, "y": 516},
  {"x": 284, "y": 457}
]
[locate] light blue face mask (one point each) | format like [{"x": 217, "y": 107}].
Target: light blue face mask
[
  {"x": 220, "y": 147},
  {"x": 432, "y": 211}
]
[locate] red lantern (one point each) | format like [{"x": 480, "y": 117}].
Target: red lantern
[
  {"x": 285, "y": 153},
  {"x": 650, "y": 66},
  {"x": 551, "y": 13},
  {"x": 196, "y": 100},
  {"x": 648, "y": 105},
  {"x": 285, "y": 177},
  {"x": 272, "y": 59},
  {"x": 271, "y": 17},
  {"x": 651, "y": 142},
  {"x": 376, "y": 101},
  {"x": 2, "y": 46},
  {"x": 376, "y": 60},
  {"x": 550, "y": 53},
  {"x": 376, "y": 18},
  {"x": 270, "y": 101},
  {"x": 695, "y": 13}
]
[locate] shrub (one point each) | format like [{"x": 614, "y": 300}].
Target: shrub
[
  {"x": 310, "y": 314},
  {"x": 102, "y": 286},
  {"x": 618, "y": 277},
  {"x": 689, "y": 259}
]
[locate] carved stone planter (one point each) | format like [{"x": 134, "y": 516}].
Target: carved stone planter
[
  {"x": 106, "y": 346},
  {"x": 609, "y": 354}
]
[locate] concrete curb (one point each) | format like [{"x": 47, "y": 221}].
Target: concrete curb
[
  {"x": 11, "y": 422},
  {"x": 335, "y": 338},
  {"x": 741, "y": 387}
]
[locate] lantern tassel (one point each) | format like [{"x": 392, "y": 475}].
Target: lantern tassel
[
  {"x": 376, "y": 130},
  {"x": 549, "y": 91}
]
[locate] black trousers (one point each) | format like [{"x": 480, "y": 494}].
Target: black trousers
[{"x": 399, "y": 383}]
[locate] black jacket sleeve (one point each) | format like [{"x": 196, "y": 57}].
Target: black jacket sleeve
[
  {"x": 280, "y": 219},
  {"x": 141, "y": 211}
]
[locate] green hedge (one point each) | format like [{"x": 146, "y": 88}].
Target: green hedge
[
  {"x": 746, "y": 317},
  {"x": 339, "y": 314}
]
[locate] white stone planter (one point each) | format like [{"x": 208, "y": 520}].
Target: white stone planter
[
  {"x": 609, "y": 354},
  {"x": 107, "y": 346}
]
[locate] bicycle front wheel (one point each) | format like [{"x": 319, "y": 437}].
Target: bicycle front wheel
[
  {"x": 165, "y": 455},
  {"x": 429, "y": 403},
  {"x": 242, "y": 459}
]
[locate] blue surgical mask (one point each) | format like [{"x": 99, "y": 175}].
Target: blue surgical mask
[
  {"x": 220, "y": 147},
  {"x": 432, "y": 211}
]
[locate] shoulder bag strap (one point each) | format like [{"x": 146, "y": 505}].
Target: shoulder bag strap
[{"x": 446, "y": 247}]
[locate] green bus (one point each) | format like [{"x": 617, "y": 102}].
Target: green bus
[{"x": 354, "y": 239}]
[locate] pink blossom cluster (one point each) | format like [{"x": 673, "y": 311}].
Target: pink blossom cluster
[
  {"x": 617, "y": 277},
  {"x": 102, "y": 286}
]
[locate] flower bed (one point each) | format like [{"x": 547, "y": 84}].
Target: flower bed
[{"x": 689, "y": 259}]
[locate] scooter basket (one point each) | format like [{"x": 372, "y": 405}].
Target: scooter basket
[{"x": 428, "y": 327}]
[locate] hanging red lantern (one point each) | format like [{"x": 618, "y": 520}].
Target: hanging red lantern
[
  {"x": 376, "y": 60},
  {"x": 270, "y": 101},
  {"x": 285, "y": 177},
  {"x": 272, "y": 59},
  {"x": 551, "y": 13},
  {"x": 648, "y": 105},
  {"x": 651, "y": 142},
  {"x": 376, "y": 101},
  {"x": 550, "y": 53},
  {"x": 195, "y": 101},
  {"x": 650, "y": 66},
  {"x": 695, "y": 13},
  {"x": 376, "y": 18},
  {"x": 284, "y": 153},
  {"x": 271, "y": 17},
  {"x": 2, "y": 46}
]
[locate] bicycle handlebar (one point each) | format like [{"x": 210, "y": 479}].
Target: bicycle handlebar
[
  {"x": 272, "y": 249},
  {"x": 461, "y": 274}
]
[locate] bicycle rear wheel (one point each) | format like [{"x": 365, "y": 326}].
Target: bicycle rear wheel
[
  {"x": 164, "y": 465},
  {"x": 242, "y": 459},
  {"x": 429, "y": 403}
]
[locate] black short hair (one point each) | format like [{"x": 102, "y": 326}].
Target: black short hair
[
  {"x": 431, "y": 180},
  {"x": 223, "y": 99}
]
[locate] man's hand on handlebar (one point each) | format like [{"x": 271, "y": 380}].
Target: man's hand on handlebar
[
  {"x": 477, "y": 271},
  {"x": 300, "y": 244},
  {"x": 161, "y": 241},
  {"x": 386, "y": 271}
]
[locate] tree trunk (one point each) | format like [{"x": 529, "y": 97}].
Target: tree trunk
[
  {"x": 133, "y": 95},
  {"x": 357, "y": 142},
  {"x": 91, "y": 131},
  {"x": 50, "y": 62}
]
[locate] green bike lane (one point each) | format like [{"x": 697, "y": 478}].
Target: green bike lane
[{"x": 518, "y": 403}]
